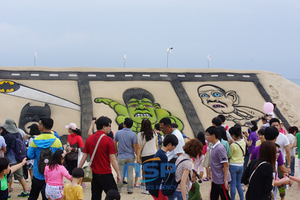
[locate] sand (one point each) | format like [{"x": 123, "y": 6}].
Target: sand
[{"x": 291, "y": 193}]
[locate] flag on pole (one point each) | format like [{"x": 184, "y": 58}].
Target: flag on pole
[
  {"x": 208, "y": 57},
  {"x": 35, "y": 55},
  {"x": 169, "y": 50},
  {"x": 124, "y": 57}
]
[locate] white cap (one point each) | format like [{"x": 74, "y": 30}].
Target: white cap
[{"x": 72, "y": 126}]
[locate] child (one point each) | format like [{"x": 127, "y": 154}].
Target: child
[
  {"x": 169, "y": 144},
  {"x": 194, "y": 193},
  {"x": 73, "y": 190},
  {"x": 279, "y": 183},
  {"x": 5, "y": 171},
  {"x": 54, "y": 173},
  {"x": 113, "y": 195}
]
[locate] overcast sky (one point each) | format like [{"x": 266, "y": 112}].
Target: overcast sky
[{"x": 237, "y": 34}]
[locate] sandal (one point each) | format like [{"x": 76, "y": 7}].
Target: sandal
[{"x": 206, "y": 179}]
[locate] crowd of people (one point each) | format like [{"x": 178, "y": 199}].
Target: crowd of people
[{"x": 259, "y": 160}]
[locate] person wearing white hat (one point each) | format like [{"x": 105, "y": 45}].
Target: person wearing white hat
[{"x": 75, "y": 142}]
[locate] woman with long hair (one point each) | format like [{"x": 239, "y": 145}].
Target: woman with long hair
[
  {"x": 147, "y": 144},
  {"x": 236, "y": 161},
  {"x": 75, "y": 144},
  {"x": 259, "y": 173}
]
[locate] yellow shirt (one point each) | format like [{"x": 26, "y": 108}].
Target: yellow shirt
[
  {"x": 258, "y": 142},
  {"x": 73, "y": 193},
  {"x": 236, "y": 156}
]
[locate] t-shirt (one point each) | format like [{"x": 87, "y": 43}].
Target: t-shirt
[
  {"x": 74, "y": 138},
  {"x": 227, "y": 132},
  {"x": 185, "y": 165},
  {"x": 253, "y": 138},
  {"x": 179, "y": 147},
  {"x": 218, "y": 156},
  {"x": 255, "y": 155},
  {"x": 73, "y": 193},
  {"x": 101, "y": 162},
  {"x": 236, "y": 156},
  {"x": 2, "y": 142},
  {"x": 55, "y": 177},
  {"x": 149, "y": 146},
  {"x": 125, "y": 138},
  {"x": 3, "y": 187},
  {"x": 153, "y": 186},
  {"x": 226, "y": 145},
  {"x": 298, "y": 142},
  {"x": 291, "y": 138},
  {"x": 282, "y": 141}
]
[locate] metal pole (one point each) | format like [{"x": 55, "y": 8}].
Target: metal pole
[
  {"x": 167, "y": 58},
  {"x": 34, "y": 61},
  {"x": 124, "y": 63},
  {"x": 207, "y": 63}
]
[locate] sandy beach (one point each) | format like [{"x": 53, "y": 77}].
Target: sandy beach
[{"x": 291, "y": 193}]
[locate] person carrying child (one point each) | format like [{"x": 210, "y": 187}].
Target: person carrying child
[
  {"x": 73, "y": 190},
  {"x": 54, "y": 173},
  {"x": 6, "y": 171}
]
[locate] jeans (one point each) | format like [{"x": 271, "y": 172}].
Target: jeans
[
  {"x": 246, "y": 160},
  {"x": 177, "y": 196},
  {"x": 121, "y": 163},
  {"x": 292, "y": 165},
  {"x": 236, "y": 176}
]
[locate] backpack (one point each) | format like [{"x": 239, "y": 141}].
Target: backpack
[
  {"x": 45, "y": 156},
  {"x": 20, "y": 148},
  {"x": 170, "y": 184}
]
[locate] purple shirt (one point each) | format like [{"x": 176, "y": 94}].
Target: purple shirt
[
  {"x": 253, "y": 138},
  {"x": 255, "y": 155},
  {"x": 218, "y": 156}
]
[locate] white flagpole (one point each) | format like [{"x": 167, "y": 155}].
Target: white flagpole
[
  {"x": 124, "y": 59},
  {"x": 35, "y": 56},
  {"x": 208, "y": 59}
]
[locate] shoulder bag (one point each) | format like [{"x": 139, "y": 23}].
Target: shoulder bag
[{"x": 88, "y": 175}]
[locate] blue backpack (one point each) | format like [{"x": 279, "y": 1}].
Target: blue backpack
[
  {"x": 170, "y": 184},
  {"x": 19, "y": 148}
]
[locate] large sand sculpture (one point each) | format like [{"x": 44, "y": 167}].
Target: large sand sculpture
[{"x": 190, "y": 97}]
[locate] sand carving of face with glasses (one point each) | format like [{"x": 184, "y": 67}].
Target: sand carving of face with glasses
[
  {"x": 139, "y": 104},
  {"x": 227, "y": 103}
]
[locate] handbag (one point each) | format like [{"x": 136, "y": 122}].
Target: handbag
[
  {"x": 80, "y": 154},
  {"x": 88, "y": 174},
  {"x": 206, "y": 159}
]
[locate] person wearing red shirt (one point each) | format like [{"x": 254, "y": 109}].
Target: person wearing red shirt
[
  {"x": 76, "y": 142},
  {"x": 105, "y": 155}
]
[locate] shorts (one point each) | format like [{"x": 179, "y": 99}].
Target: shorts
[
  {"x": 29, "y": 166},
  {"x": 18, "y": 175},
  {"x": 54, "y": 192}
]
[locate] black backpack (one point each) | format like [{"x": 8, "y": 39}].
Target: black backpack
[
  {"x": 170, "y": 184},
  {"x": 45, "y": 157}
]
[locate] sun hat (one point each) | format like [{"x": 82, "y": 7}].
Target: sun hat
[
  {"x": 10, "y": 126},
  {"x": 72, "y": 126}
]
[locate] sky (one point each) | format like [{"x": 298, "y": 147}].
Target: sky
[{"x": 236, "y": 34}]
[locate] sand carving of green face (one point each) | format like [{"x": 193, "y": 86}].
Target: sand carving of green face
[
  {"x": 141, "y": 109},
  {"x": 139, "y": 104}
]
